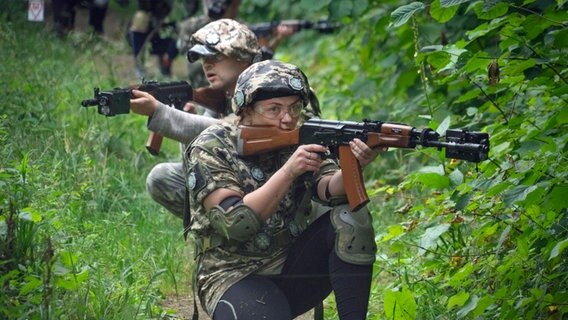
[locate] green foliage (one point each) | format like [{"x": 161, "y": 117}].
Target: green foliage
[
  {"x": 79, "y": 237},
  {"x": 459, "y": 240}
]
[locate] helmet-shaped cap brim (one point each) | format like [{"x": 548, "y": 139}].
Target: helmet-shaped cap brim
[{"x": 198, "y": 51}]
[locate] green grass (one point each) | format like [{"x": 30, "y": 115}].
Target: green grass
[{"x": 72, "y": 190}]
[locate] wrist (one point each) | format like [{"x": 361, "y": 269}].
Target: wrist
[{"x": 288, "y": 173}]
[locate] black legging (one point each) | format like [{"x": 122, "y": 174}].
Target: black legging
[{"x": 312, "y": 270}]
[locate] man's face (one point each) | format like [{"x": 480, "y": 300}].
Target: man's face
[{"x": 222, "y": 71}]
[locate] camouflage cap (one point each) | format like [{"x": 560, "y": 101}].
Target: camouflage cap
[
  {"x": 225, "y": 36},
  {"x": 267, "y": 79}
]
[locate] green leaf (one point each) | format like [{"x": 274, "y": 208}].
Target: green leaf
[
  {"x": 30, "y": 284},
  {"x": 471, "y": 94},
  {"x": 261, "y": 3},
  {"x": 393, "y": 231},
  {"x": 562, "y": 116},
  {"x": 399, "y": 304},
  {"x": 438, "y": 60},
  {"x": 488, "y": 4},
  {"x": 451, "y": 3},
  {"x": 432, "y": 48},
  {"x": 462, "y": 201},
  {"x": 68, "y": 259},
  {"x": 461, "y": 275},
  {"x": 440, "y": 13},
  {"x": 310, "y": 5},
  {"x": 479, "y": 31},
  {"x": 518, "y": 193},
  {"x": 503, "y": 237},
  {"x": 72, "y": 281},
  {"x": 561, "y": 39},
  {"x": 498, "y": 188},
  {"x": 476, "y": 63},
  {"x": 457, "y": 300},
  {"x": 340, "y": 8},
  {"x": 432, "y": 177},
  {"x": 443, "y": 127},
  {"x": 496, "y": 11},
  {"x": 482, "y": 304},
  {"x": 470, "y": 306},
  {"x": 359, "y": 7},
  {"x": 456, "y": 177},
  {"x": 29, "y": 216},
  {"x": 514, "y": 67},
  {"x": 558, "y": 248},
  {"x": 458, "y": 57},
  {"x": 401, "y": 14},
  {"x": 431, "y": 236},
  {"x": 557, "y": 200}
]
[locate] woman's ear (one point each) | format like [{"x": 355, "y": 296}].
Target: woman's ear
[
  {"x": 245, "y": 115},
  {"x": 247, "y": 110}
]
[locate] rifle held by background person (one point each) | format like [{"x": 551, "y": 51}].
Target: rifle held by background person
[
  {"x": 265, "y": 29},
  {"x": 175, "y": 93},
  {"x": 459, "y": 144}
]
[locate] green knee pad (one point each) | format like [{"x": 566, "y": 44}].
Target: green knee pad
[{"x": 355, "y": 237}]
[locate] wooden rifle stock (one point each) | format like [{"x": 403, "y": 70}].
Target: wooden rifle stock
[
  {"x": 212, "y": 99},
  {"x": 261, "y": 139}
]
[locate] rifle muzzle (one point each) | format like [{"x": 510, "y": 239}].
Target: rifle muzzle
[{"x": 89, "y": 102}]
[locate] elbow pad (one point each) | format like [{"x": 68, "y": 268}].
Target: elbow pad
[{"x": 240, "y": 223}]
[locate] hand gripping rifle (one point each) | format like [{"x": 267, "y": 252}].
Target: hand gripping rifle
[
  {"x": 175, "y": 93},
  {"x": 336, "y": 135}
]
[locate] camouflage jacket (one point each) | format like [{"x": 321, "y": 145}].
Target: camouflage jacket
[{"x": 213, "y": 163}]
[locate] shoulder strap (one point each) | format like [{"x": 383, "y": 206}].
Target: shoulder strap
[{"x": 186, "y": 213}]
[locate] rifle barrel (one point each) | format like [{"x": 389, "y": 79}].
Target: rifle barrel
[
  {"x": 458, "y": 146},
  {"x": 89, "y": 102}
]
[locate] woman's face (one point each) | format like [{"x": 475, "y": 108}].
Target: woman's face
[{"x": 281, "y": 112}]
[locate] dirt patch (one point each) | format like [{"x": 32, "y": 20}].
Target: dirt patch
[{"x": 183, "y": 306}]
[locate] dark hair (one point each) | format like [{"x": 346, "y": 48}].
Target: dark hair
[{"x": 216, "y": 8}]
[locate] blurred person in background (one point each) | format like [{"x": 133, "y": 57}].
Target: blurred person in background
[{"x": 64, "y": 14}]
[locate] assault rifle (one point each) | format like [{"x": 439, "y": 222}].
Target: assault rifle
[
  {"x": 265, "y": 29},
  {"x": 336, "y": 135},
  {"x": 175, "y": 93}
]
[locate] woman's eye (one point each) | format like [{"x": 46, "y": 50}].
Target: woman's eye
[
  {"x": 296, "y": 109},
  {"x": 274, "y": 109}
]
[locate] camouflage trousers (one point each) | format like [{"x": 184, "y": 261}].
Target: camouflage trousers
[{"x": 166, "y": 185}]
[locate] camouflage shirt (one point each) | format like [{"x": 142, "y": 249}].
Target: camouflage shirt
[{"x": 213, "y": 163}]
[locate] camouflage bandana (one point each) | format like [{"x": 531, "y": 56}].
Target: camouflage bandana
[
  {"x": 225, "y": 36},
  {"x": 272, "y": 77}
]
